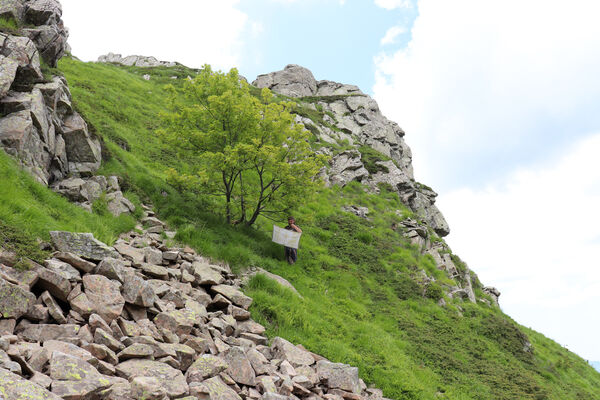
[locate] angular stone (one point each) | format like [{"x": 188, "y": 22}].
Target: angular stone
[
  {"x": 83, "y": 151},
  {"x": 53, "y": 308},
  {"x": 206, "y": 366},
  {"x": 153, "y": 256},
  {"x": 103, "y": 337},
  {"x": 130, "y": 253},
  {"x": 104, "y": 296},
  {"x": 170, "y": 255},
  {"x": 74, "y": 378},
  {"x": 24, "y": 52},
  {"x": 237, "y": 297},
  {"x": 169, "y": 378},
  {"x": 55, "y": 283},
  {"x": 178, "y": 321},
  {"x": 216, "y": 389},
  {"x": 155, "y": 271},
  {"x": 129, "y": 328},
  {"x": 25, "y": 279},
  {"x": 252, "y": 327},
  {"x": 138, "y": 292},
  {"x": 76, "y": 261},
  {"x": 64, "y": 269},
  {"x": 239, "y": 367},
  {"x": 119, "y": 204},
  {"x": 43, "y": 12},
  {"x": 258, "y": 360},
  {"x": 339, "y": 376},
  {"x": 147, "y": 388},
  {"x": 152, "y": 221},
  {"x": 70, "y": 349},
  {"x": 205, "y": 275},
  {"x": 42, "y": 332},
  {"x": 136, "y": 350},
  {"x": 95, "y": 321},
  {"x": 13, "y": 387},
  {"x": 38, "y": 313},
  {"x": 14, "y": 300},
  {"x": 267, "y": 384},
  {"x": 41, "y": 380},
  {"x": 284, "y": 350},
  {"x": 256, "y": 339},
  {"x": 112, "y": 268},
  {"x": 81, "y": 244},
  {"x": 8, "y": 71}
]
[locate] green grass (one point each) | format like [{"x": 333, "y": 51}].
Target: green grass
[
  {"x": 370, "y": 157},
  {"x": 9, "y": 25},
  {"x": 365, "y": 299},
  {"x": 31, "y": 210}
]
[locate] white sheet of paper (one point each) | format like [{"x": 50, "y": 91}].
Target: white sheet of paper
[{"x": 285, "y": 237}]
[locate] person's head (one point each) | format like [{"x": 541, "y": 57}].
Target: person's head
[{"x": 291, "y": 220}]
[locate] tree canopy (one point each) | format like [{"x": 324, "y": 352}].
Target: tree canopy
[{"x": 246, "y": 148}]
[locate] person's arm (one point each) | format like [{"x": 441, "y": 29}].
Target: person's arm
[{"x": 296, "y": 228}]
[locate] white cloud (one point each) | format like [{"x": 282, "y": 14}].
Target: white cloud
[
  {"x": 536, "y": 236},
  {"x": 190, "y": 32},
  {"x": 393, "y": 4},
  {"x": 501, "y": 81},
  {"x": 392, "y": 34}
]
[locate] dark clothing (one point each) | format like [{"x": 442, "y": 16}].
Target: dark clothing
[{"x": 291, "y": 255}]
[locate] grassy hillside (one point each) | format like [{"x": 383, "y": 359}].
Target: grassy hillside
[{"x": 364, "y": 302}]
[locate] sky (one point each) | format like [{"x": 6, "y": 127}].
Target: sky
[{"x": 499, "y": 100}]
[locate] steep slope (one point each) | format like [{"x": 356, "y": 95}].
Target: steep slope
[
  {"x": 366, "y": 301},
  {"x": 380, "y": 288}
]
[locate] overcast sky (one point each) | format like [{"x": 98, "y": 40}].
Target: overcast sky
[{"x": 499, "y": 101}]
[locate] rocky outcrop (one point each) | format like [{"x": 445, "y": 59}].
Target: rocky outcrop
[
  {"x": 138, "y": 61},
  {"x": 85, "y": 191},
  {"x": 144, "y": 320},
  {"x": 38, "y": 124},
  {"x": 351, "y": 117},
  {"x": 364, "y": 146}
]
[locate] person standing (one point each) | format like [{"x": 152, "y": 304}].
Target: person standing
[{"x": 291, "y": 254}]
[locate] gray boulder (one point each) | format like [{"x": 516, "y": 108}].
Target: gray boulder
[
  {"x": 339, "y": 376},
  {"x": 82, "y": 244},
  {"x": 292, "y": 81}
]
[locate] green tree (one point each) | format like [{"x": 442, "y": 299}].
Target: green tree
[{"x": 233, "y": 144}]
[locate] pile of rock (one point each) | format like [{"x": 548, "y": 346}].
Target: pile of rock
[
  {"x": 138, "y": 61},
  {"x": 359, "y": 122},
  {"x": 141, "y": 320},
  {"x": 85, "y": 191},
  {"x": 38, "y": 124}
]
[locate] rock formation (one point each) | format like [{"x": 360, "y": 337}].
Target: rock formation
[
  {"x": 138, "y": 61},
  {"x": 352, "y": 117},
  {"x": 38, "y": 124},
  {"x": 142, "y": 320},
  {"x": 351, "y": 121}
]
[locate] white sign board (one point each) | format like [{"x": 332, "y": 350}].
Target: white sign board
[{"x": 285, "y": 237}]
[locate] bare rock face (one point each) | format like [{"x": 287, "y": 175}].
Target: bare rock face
[
  {"x": 292, "y": 81},
  {"x": 38, "y": 125},
  {"x": 351, "y": 116},
  {"x": 138, "y": 61}
]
